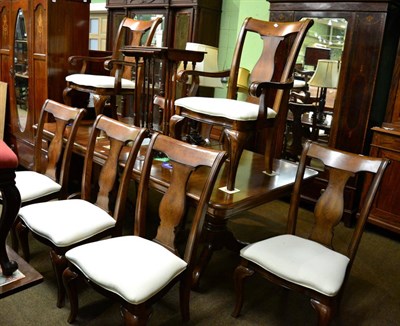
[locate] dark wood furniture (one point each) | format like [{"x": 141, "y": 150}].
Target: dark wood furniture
[
  {"x": 139, "y": 260},
  {"x": 366, "y": 70},
  {"x": 124, "y": 77},
  {"x": 49, "y": 178},
  {"x": 259, "y": 122},
  {"x": 10, "y": 202},
  {"x": 306, "y": 261},
  {"x": 37, "y": 38},
  {"x": 98, "y": 211},
  {"x": 184, "y": 20},
  {"x": 385, "y": 211},
  {"x": 313, "y": 54},
  {"x": 32, "y": 277},
  {"x": 386, "y": 143},
  {"x": 256, "y": 189},
  {"x": 159, "y": 98}
]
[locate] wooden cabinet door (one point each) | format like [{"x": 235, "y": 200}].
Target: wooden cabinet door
[
  {"x": 21, "y": 114},
  {"x": 385, "y": 211}
]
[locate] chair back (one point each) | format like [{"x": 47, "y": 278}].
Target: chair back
[
  {"x": 340, "y": 167},
  {"x": 56, "y": 164},
  {"x": 133, "y": 32},
  {"x": 186, "y": 162},
  {"x": 113, "y": 144},
  {"x": 281, "y": 42}
]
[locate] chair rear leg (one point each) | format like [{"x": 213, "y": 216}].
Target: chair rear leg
[
  {"x": 70, "y": 281},
  {"x": 22, "y": 232},
  {"x": 13, "y": 235},
  {"x": 59, "y": 263},
  {"x": 241, "y": 272},
  {"x": 184, "y": 293},
  {"x": 325, "y": 312},
  {"x": 137, "y": 316}
]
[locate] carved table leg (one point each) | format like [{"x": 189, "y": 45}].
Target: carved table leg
[
  {"x": 216, "y": 236},
  {"x": 11, "y": 205}
]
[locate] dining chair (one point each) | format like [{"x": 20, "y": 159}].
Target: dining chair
[
  {"x": 264, "y": 112},
  {"x": 98, "y": 211},
  {"x": 48, "y": 180},
  {"x": 309, "y": 263},
  {"x": 135, "y": 270},
  {"x": 119, "y": 81}
]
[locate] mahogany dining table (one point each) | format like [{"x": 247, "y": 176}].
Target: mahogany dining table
[{"x": 255, "y": 188}]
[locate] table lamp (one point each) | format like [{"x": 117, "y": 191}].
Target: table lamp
[{"x": 326, "y": 76}]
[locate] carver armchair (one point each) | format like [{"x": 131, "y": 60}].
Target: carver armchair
[
  {"x": 99, "y": 210},
  {"x": 120, "y": 81},
  {"x": 135, "y": 270},
  {"x": 307, "y": 262},
  {"x": 263, "y": 114}
]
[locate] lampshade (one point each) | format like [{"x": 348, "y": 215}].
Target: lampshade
[
  {"x": 210, "y": 63},
  {"x": 326, "y": 75}
]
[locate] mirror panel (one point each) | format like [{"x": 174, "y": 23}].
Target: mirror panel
[
  {"x": 21, "y": 75},
  {"x": 312, "y": 101}
]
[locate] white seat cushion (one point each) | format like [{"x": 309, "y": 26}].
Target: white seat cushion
[
  {"x": 297, "y": 83},
  {"x": 132, "y": 267},
  {"x": 66, "y": 222},
  {"x": 98, "y": 81},
  {"x": 222, "y": 107},
  {"x": 33, "y": 185},
  {"x": 300, "y": 261}
]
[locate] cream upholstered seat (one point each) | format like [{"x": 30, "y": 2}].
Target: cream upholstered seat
[
  {"x": 301, "y": 261},
  {"x": 43, "y": 185},
  {"x": 100, "y": 210},
  {"x": 139, "y": 278},
  {"x": 62, "y": 223},
  {"x": 305, "y": 260},
  {"x": 98, "y": 81},
  {"x": 49, "y": 178},
  {"x": 222, "y": 107},
  {"x": 105, "y": 87},
  {"x": 261, "y": 128},
  {"x": 137, "y": 271}
]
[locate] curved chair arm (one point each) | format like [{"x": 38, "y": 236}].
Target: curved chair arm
[
  {"x": 184, "y": 75},
  {"x": 118, "y": 67},
  {"x": 84, "y": 60},
  {"x": 257, "y": 88}
]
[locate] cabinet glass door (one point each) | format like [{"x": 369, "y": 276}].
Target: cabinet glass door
[{"x": 20, "y": 70}]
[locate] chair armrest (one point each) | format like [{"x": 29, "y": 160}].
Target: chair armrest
[
  {"x": 183, "y": 77},
  {"x": 117, "y": 66},
  {"x": 111, "y": 64},
  {"x": 84, "y": 60},
  {"x": 257, "y": 88}
]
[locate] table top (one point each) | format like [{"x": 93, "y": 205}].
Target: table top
[
  {"x": 255, "y": 187},
  {"x": 32, "y": 277}
]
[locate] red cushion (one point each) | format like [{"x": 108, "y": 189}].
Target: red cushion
[{"x": 8, "y": 159}]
